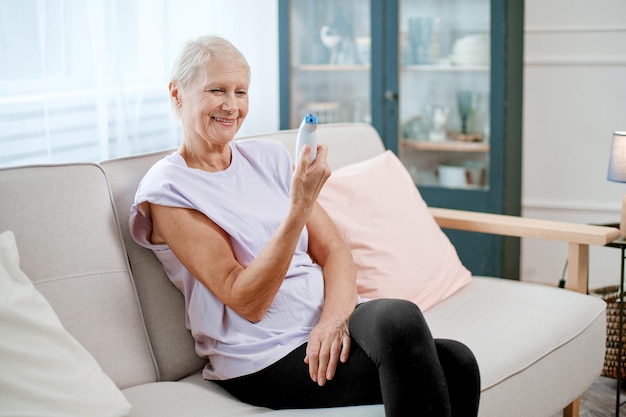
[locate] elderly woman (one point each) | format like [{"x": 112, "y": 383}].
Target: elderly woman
[{"x": 269, "y": 284}]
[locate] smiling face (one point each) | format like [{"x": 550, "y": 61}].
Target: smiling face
[{"x": 214, "y": 104}]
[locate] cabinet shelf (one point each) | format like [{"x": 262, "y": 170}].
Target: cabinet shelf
[
  {"x": 411, "y": 68},
  {"x": 446, "y": 146},
  {"x": 329, "y": 67},
  {"x": 446, "y": 68}
]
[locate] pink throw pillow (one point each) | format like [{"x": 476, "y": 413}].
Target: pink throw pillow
[{"x": 398, "y": 248}]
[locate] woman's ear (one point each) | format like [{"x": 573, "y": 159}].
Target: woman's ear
[{"x": 174, "y": 93}]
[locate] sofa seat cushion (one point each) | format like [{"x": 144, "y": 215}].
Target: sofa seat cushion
[
  {"x": 537, "y": 347},
  {"x": 559, "y": 356},
  {"x": 195, "y": 397}
]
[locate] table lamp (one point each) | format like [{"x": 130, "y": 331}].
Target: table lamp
[{"x": 617, "y": 169}]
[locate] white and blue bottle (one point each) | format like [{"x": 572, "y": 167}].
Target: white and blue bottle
[{"x": 307, "y": 135}]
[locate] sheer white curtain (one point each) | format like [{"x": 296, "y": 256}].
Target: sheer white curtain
[{"x": 86, "y": 80}]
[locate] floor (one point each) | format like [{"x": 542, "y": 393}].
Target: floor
[{"x": 599, "y": 400}]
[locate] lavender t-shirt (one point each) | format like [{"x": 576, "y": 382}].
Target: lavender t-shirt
[{"x": 248, "y": 200}]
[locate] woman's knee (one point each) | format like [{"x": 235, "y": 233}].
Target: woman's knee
[
  {"x": 457, "y": 355},
  {"x": 393, "y": 321}
]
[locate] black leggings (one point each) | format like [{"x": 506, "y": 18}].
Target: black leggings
[{"x": 393, "y": 360}]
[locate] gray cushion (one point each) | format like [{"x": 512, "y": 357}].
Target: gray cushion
[
  {"x": 161, "y": 301},
  {"x": 348, "y": 143}
]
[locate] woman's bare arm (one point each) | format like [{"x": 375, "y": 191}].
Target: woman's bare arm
[{"x": 205, "y": 249}]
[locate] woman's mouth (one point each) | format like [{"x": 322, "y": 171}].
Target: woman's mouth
[{"x": 224, "y": 121}]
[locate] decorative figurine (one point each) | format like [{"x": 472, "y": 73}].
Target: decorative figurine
[{"x": 439, "y": 119}]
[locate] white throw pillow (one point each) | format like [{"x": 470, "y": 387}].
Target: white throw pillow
[{"x": 44, "y": 371}]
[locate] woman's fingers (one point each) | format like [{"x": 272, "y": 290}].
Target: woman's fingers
[
  {"x": 325, "y": 349},
  {"x": 345, "y": 348},
  {"x": 334, "y": 354}
]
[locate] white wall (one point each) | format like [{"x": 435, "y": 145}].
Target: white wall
[
  {"x": 574, "y": 98},
  {"x": 94, "y": 83}
]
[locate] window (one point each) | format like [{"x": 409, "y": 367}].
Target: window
[{"x": 86, "y": 80}]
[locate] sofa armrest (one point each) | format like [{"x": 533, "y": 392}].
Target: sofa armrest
[
  {"x": 578, "y": 236},
  {"x": 501, "y": 224}
]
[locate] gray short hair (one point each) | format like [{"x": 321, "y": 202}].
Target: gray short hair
[{"x": 195, "y": 55}]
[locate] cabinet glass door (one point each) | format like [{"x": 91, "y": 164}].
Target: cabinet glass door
[
  {"x": 444, "y": 92},
  {"x": 330, "y": 60}
]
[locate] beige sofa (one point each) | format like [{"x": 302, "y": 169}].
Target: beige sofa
[{"x": 539, "y": 348}]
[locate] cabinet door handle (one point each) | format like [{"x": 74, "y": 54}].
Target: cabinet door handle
[{"x": 391, "y": 95}]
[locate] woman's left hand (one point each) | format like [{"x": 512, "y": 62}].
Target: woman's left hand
[{"x": 328, "y": 344}]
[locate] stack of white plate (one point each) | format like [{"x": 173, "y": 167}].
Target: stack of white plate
[{"x": 471, "y": 50}]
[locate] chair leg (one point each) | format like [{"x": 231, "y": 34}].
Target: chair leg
[{"x": 572, "y": 409}]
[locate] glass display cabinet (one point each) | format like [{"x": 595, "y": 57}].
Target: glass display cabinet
[{"x": 441, "y": 81}]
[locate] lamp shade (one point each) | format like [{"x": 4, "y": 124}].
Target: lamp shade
[{"x": 617, "y": 159}]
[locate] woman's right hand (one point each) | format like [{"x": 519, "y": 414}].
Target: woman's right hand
[{"x": 309, "y": 178}]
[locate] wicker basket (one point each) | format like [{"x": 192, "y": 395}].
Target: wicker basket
[{"x": 611, "y": 296}]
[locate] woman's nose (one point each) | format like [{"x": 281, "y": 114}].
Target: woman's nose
[{"x": 229, "y": 104}]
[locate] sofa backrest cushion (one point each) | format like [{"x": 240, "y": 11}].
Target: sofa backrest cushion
[
  {"x": 348, "y": 143},
  {"x": 70, "y": 246},
  {"x": 162, "y": 303}
]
